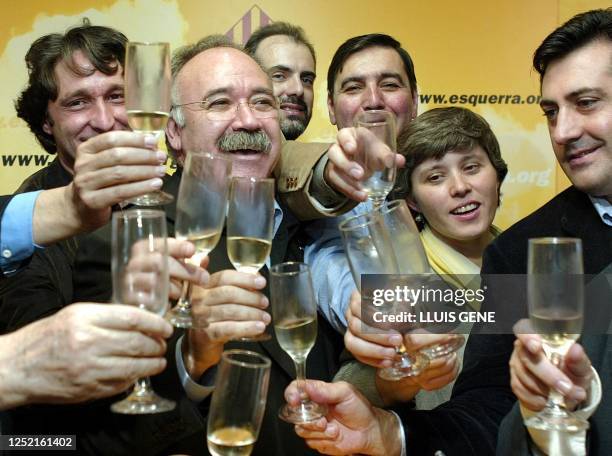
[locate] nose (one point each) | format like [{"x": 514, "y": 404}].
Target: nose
[
  {"x": 459, "y": 185},
  {"x": 373, "y": 98},
  {"x": 295, "y": 86},
  {"x": 566, "y": 127},
  {"x": 245, "y": 119},
  {"x": 103, "y": 118}
]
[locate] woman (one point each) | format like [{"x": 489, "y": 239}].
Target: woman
[{"x": 451, "y": 181}]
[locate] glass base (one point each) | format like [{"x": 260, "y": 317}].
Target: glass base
[
  {"x": 409, "y": 365},
  {"x": 305, "y": 412},
  {"x": 441, "y": 350},
  {"x": 157, "y": 198},
  {"x": 145, "y": 404},
  {"x": 550, "y": 419},
  {"x": 181, "y": 317}
]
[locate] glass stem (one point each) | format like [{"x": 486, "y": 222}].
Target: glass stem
[
  {"x": 184, "y": 301},
  {"x": 556, "y": 401},
  {"x": 142, "y": 387},
  {"x": 300, "y": 377}
]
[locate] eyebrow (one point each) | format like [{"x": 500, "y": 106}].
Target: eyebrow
[
  {"x": 384, "y": 75},
  {"x": 572, "y": 95},
  {"x": 84, "y": 93},
  {"x": 227, "y": 91}
]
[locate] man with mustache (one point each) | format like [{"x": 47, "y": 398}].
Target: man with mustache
[
  {"x": 289, "y": 58},
  {"x": 231, "y": 112}
]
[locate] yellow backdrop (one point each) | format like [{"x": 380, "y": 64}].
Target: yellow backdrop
[{"x": 474, "y": 53}]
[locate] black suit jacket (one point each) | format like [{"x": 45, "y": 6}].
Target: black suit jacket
[
  {"x": 570, "y": 214},
  {"x": 468, "y": 424}
]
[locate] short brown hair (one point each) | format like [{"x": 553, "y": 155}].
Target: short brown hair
[
  {"x": 104, "y": 47},
  {"x": 436, "y": 132},
  {"x": 278, "y": 28}
]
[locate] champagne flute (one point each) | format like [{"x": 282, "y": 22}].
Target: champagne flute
[
  {"x": 369, "y": 250},
  {"x": 238, "y": 403},
  {"x": 376, "y": 134},
  {"x": 411, "y": 259},
  {"x": 555, "y": 295},
  {"x": 140, "y": 278},
  {"x": 250, "y": 222},
  {"x": 294, "y": 309},
  {"x": 147, "y": 98},
  {"x": 200, "y": 215},
  {"x": 250, "y": 227}
]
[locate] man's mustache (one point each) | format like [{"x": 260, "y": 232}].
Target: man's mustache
[{"x": 242, "y": 140}]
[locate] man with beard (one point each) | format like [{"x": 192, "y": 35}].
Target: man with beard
[
  {"x": 289, "y": 58},
  {"x": 232, "y": 112}
]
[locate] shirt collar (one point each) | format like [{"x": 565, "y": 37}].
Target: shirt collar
[{"x": 603, "y": 208}]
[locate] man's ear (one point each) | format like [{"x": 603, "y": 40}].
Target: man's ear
[
  {"x": 330, "y": 109},
  {"x": 412, "y": 204},
  {"x": 47, "y": 126},
  {"x": 173, "y": 134}
]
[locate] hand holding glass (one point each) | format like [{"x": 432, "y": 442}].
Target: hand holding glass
[
  {"x": 147, "y": 98},
  {"x": 555, "y": 294},
  {"x": 200, "y": 215},
  {"x": 294, "y": 309},
  {"x": 140, "y": 278}
]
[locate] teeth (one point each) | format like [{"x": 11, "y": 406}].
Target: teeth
[{"x": 466, "y": 208}]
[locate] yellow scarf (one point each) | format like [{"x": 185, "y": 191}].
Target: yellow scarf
[{"x": 454, "y": 267}]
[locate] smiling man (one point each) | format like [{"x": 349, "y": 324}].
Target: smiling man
[{"x": 289, "y": 58}]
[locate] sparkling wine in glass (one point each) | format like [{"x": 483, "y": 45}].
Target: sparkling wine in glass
[
  {"x": 370, "y": 249},
  {"x": 376, "y": 136},
  {"x": 140, "y": 278},
  {"x": 238, "y": 403},
  {"x": 200, "y": 215},
  {"x": 147, "y": 98},
  {"x": 555, "y": 295},
  {"x": 250, "y": 222},
  {"x": 294, "y": 309}
]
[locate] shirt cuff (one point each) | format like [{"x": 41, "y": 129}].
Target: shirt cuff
[
  {"x": 195, "y": 391},
  {"x": 551, "y": 442},
  {"x": 16, "y": 242},
  {"x": 401, "y": 433}
]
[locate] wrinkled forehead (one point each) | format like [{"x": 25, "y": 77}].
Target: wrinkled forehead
[{"x": 223, "y": 69}]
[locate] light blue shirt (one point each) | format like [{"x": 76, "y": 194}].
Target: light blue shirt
[
  {"x": 16, "y": 242},
  {"x": 198, "y": 391},
  {"x": 603, "y": 208},
  {"x": 329, "y": 266}
]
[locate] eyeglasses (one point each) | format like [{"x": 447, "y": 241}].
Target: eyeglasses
[{"x": 262, "y": 107}]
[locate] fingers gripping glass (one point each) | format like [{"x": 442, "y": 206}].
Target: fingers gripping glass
[
  {"x": 238, "y": 403},
  {"x": 555, "y": 295},
  {"x": 140, "y": 278},
  {"x": 294, "y": 309},
  {"x": 250, "y": 227},
  {"x": 147, "y": 98},
  {"x": 263, "y": 106},
  {"x": 200, "y": 215}
]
